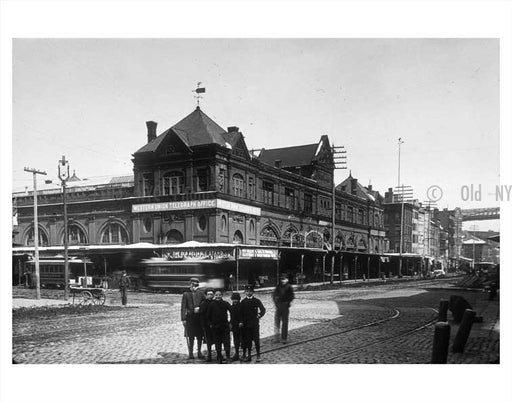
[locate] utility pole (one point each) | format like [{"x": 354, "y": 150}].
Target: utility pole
[
  {"x": 63, "y": 169},
  {"x": 36, "y": 231},
  {"x": 339, "y": 161}
]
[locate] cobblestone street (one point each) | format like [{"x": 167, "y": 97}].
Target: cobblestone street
[{"x": 390, "y": 323}]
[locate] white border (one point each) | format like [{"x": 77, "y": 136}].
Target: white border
[{"x": 263, "y": 20}]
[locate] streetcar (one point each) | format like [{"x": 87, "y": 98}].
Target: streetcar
[
  {"x": 51, "y": 272},
  {"x": 165, "y": 274}
]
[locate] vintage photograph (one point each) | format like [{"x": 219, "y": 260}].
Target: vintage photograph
[{"x": 262, "y": 202}]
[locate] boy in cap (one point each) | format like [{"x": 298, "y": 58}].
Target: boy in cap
[
  {"x": 283, "y": 297},
  {"x": 218, "y": 319},
  {"x": 251, "y": 310},
  {"x": 190, "y": 303},
  {"x": 205, "y": 323},
  {"x": 235, "y": 325}
]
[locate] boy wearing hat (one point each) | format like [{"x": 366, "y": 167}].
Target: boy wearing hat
[
  {"x": 235, "y": 325},
  {"x": 218, "y": 319},
  {"x": 190, "y": 303},
  {"x": 251, "y": 310},
  {"x": 205, "y": 323}
]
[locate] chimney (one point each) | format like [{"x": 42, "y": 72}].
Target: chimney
[
  {"x": 233, "y": 129},
  {"x": 370, "y": 188},
  {"x": 353, "y": 186},
  {"x": 151, "y": 125}
]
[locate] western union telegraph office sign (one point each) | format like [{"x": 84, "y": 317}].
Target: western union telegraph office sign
[{"x": 196, "y": 204}]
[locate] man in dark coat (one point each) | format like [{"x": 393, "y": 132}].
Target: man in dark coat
[
  {"x": 235, "y": 325},
  {"x": 190, "y": 303},
  {"x": 283, "y": 296},
  {"x": 251, "y": 310},
  {"x": 218, "y": 319},
  {"x": 124, "y": 284},
  {"x": 205, "y": 324}
]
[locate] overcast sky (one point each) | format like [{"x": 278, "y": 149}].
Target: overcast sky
[{"x": 89, "y": 99}]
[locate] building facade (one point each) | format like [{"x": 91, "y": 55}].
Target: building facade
[{"x": 198, "y": 182}]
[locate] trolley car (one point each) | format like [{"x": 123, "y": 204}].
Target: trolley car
[
  {"x": 161, "y": 273},
  {"x": 51, "y": 271}
]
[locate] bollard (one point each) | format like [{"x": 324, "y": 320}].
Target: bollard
[
  {"x": 463, "y": 333},
  {"x": 443, "y": 310},
  {"x": 441, "y": 342}
]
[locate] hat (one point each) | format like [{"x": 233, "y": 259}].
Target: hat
[
  {"x": 249, "y": 287},
  {"x": 235, "y": 296},
  {"x": 194, "y": 280}
]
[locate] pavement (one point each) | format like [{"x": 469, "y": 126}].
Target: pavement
[{"x": 151, "y": 318}]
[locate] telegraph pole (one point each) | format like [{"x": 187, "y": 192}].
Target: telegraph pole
[
  {"x": 63, "y": 169},
  {"x": 339, "y": 161},
  {"x": 36, "y": 230}
]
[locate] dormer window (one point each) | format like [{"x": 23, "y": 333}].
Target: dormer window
[{"x": 173, "y": 183}]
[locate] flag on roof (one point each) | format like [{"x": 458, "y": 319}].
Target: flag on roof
[{"x": 200, "y": 90}]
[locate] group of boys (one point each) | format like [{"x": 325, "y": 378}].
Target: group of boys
[{"x": 205, "y": 317}]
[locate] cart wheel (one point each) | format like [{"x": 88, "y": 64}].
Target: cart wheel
[
  {"x": 87, "y": 297},
  {"x": 99, "y": 299}
]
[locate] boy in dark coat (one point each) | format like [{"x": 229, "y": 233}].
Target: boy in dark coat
[
  {"x": 190, "y": 318},
  {"x": 251, "y": 310},
  {"x": 218, "y": 319},
  {"x": 283, "y": 296},
  {"x": 235, "y": 325},
  {"x": 205, "y": 324}
]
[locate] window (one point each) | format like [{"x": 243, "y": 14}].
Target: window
[
  {"x": 308, "y": 203},
  {"x": 289, "y": 198},
  {"x": 350, "y": 214},
  {"x": 203, "y": 179},
  {"x": 337, "y": 211},
  {"x": 43, "y": 239},
  {"x": 201, "y": 223},
  {"x": 360, "y": 217},
  {"x": 173, "y": 237},
  {"x": 147, "y": 224},
  {"x": 224, "y": 223},
  {"x": 114, "y": 233},
  {"x": 238, "y": 185},
  {"x": 148, "y": 184},
  {"x": 268, "y": 192},
  {"x": 250, "y": 188},
  {"x": 75, "y": 235},
  {"x": 172, "y": 183},
  {"x": 238, "y": 238}
]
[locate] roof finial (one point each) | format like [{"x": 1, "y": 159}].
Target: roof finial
[{"x": 199, "y": 90}]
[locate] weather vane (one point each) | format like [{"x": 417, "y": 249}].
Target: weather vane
[{"x": 199, "y": 90}]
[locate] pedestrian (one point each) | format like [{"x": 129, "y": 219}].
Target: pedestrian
[
  {"x": 231, "y": 279},
  {"x": 235, "y": 325},
  {"x": 251, "y": 310},
  {"x": 124, "y": 284},
  {"x": 218, "y": 319},
  {"x": 283, "y": 296},
  {"x": 190, "y": 317},
  {"x": 205, "y": 324}
]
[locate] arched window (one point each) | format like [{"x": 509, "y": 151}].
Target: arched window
[
  {"x": 238, "y": 238},
  {"x": 173, "y": 183},
  {"x": 114, "y": 233},
  {"x": 290, "y": 237},
  {"x": 43, "y": 238},
  {"x": 238, "y": 185},
  {"x": 173, "y": 236},
  {"x": 76, "y": 235},
  {"x": 268, "y": 237}
]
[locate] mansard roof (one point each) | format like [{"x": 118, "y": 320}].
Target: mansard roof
[
  {"x": 301, "y": 155},
  {"x": 195, "y": 129}
]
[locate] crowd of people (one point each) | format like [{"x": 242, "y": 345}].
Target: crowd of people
[{"x": 208, "y": 318}]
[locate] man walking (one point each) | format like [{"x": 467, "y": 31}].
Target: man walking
[
  {"x": 283, "y": 296},
  {"x": 124, "y": 284},
  {"x": 218, "y": 319},
  {"x": 190, "y": 302},
  {"x": 251, "y": 310}
]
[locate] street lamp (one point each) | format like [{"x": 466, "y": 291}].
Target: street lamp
[{"x": 63, "y": 169}]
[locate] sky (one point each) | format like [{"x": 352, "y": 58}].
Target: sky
[{"x": 89, "y": 99}]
